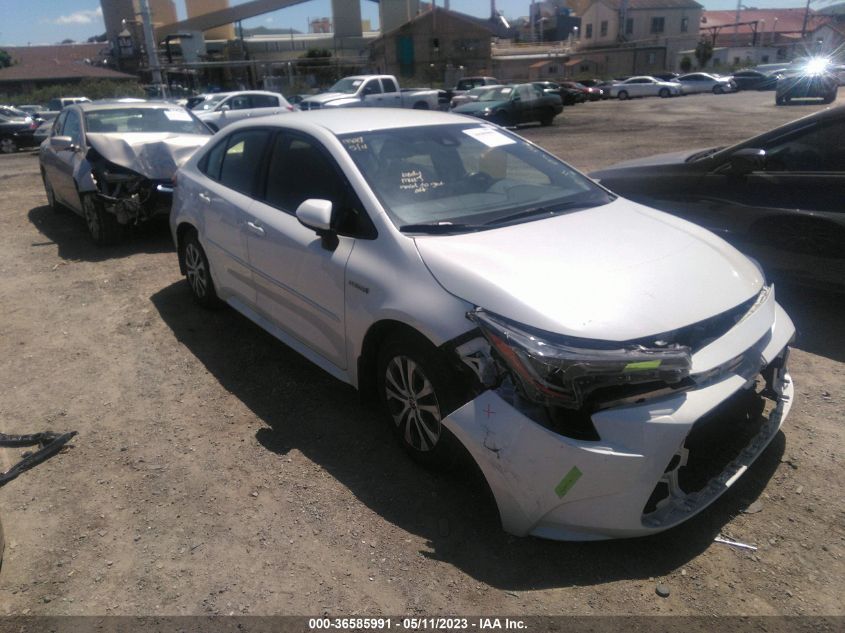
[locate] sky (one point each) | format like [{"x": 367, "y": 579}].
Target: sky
[{"x": 25, "y": 22}]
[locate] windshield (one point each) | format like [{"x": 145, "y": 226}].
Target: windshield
[
  {"x": 499, "y": 93},
  {"x": 209, "y": 103},
  {"x": 465, "y": 176},
  {"x": 349, "y": 85},
  {"x": 150, "y": 120}
]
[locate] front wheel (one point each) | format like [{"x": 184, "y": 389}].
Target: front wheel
[
  {"x": 547, "y": 118},
  {"x": 102, "y": 225},
  {"x": 780, "y": 100},
  {"x": 664, "y": 93},
  {"x": 198, "y": 272},
  {"x": 501, "y": 118},
  {"x": 717, "y": 90},
  {"x": 8, "y": 145},
  {"x": 415, "y": 392}
]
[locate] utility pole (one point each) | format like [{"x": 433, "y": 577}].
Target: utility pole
[{"x": 149, "y": 42}]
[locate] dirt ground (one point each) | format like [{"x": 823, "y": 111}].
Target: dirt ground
[{"x": 216, "y": 471}]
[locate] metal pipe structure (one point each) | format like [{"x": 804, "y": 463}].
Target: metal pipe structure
[{"x": 149, "y": 42}]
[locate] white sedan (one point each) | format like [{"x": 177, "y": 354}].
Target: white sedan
[
  {"x": 218, "y": 110},
  {"x": 692, "y": 83},
  {"x": 644, "y": 86},
  {"x": 605, "y": 364}
]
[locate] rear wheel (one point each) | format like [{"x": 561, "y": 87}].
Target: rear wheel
[
  {"x": 198, "y": 272},
  {"x": 623, "y": 94},
  {"x": 547, "y": 118},
  {"x": 102, "y": 225},
  {"x": 8, "y": 145}
]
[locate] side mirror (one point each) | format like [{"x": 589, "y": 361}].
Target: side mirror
[
  {"x": 516, "y": 98},
  {"x": 747, "y": 160},
  {"x": 62, "y": 143},
  {"x": 316, "y": 214},
  {"x": 224, "y": 108}
]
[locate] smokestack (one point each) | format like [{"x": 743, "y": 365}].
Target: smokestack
[{"x": 493, "y": 12}]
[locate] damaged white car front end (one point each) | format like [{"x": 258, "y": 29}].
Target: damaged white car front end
[{"x": 657, "y": 447}]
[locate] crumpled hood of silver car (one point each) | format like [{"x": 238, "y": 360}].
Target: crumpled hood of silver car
[
  {"x": 617, "y": 272},
  {"x": 156, "y": 156}
]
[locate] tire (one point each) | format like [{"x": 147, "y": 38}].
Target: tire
[
  {"x": 717, "y": 90},
  {"x": 664, "y": 93},
  {"x": 102, "y": 225},
  {"x": 830, "y": 98},
  {"x": 623, "y": 95},
  {"x": 547, "y": 119},
  {"x": 415, "y": 392},
  {"x": 501, "y": 118},
  {"x": 198, "y": 272},
  {"x": 8, "y": 145},
  {"x": 51, "y": 196},
  {"x": 780, "y": 100}
]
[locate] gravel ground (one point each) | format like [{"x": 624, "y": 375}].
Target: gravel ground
[{"x": 216, "y": 471}]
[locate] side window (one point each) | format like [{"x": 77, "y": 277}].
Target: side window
[
  {"x": 389, "y": 85},
  {"x": 211, "y": 163},
  {"x": 265, "y": 101},
  {"x": 242, "y": 160},
  {"x": 372, "y": 87},
  {"x": 59, "y": 124},
  {"x": 525, "y": 93},
  {"x": 299, "y": 169},
  {"x": 239, "y": 102},
  {"x": 819, "y": 148},
  {"x": 73, "y": 127}
]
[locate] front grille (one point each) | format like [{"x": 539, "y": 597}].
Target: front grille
[{"x": 719, "y": 438}]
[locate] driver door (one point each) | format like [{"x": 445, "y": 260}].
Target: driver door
[{"x": 300, "y": 280}]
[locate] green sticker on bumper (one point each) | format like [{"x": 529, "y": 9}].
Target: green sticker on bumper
[
  {"x": 642, "y": 365},
  {"x": 567, "y": 482}
]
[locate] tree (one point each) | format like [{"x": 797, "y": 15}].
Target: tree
[
  {"x": 686, "y": 64},
  {"x": 703, "y": 52},
  {"x": 67, "y": 41},
  {"x": 5, "y": 59},
  {"x": 98, "y": 38}
]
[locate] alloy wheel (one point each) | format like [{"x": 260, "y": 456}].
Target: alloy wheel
[
  {"x": 412, "y": 403},
  {"x": 7, "y": 146},
  {"x": 195, "y": 270}
]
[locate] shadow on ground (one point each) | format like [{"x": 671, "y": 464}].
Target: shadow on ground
[
  {"x": 304, "y": 408},
  {"x": 67, "y": 230}
]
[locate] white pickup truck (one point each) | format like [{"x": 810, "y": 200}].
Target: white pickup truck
[{"x": 381, "y": 91}]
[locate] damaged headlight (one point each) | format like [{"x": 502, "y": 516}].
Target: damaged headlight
[{"x": 560, "y": 372}]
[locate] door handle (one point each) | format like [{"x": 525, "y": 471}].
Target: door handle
[
  {"x": 205, "y": 198},
  {"x": 255, "y": 228}
]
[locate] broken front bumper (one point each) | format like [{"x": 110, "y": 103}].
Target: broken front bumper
[{"x": 630, "y": 481}]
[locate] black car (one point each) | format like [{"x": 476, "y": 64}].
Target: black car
[
  {"x": 778, "y": 195},
  {"x": 755, "y": 80},
  {"x": 514, "y": 104},
  {"x": 568, "y": 95},
  {"x": 820, "y": 84},
  {"x": 16, "y": 132}
]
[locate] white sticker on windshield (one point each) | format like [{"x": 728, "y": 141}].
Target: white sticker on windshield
[
  {"x": 177, "y": 115},
  {"x": 489, "y": 136}
]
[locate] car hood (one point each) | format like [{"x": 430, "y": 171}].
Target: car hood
[
  {"x": 478, "y": 106},
  {"x": 670, "y": 158},
  {"x": 617, "y": 272},
  {"x": 156, "y": 156}
]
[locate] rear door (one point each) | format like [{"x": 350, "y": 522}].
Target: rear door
[
  {"x": 264, "y": 105},
  {"x": 392, "y": 95},
  {"x": 226, "y": 195}
]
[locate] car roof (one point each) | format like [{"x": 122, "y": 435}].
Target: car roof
[
  {"x": 89, "y": 106},
  {"x": 340, "y": 121}
]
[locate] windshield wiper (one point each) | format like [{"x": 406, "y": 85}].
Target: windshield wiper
[
  {"x": 542, "y": 211},
  {"x": 438, "y": 228}
]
